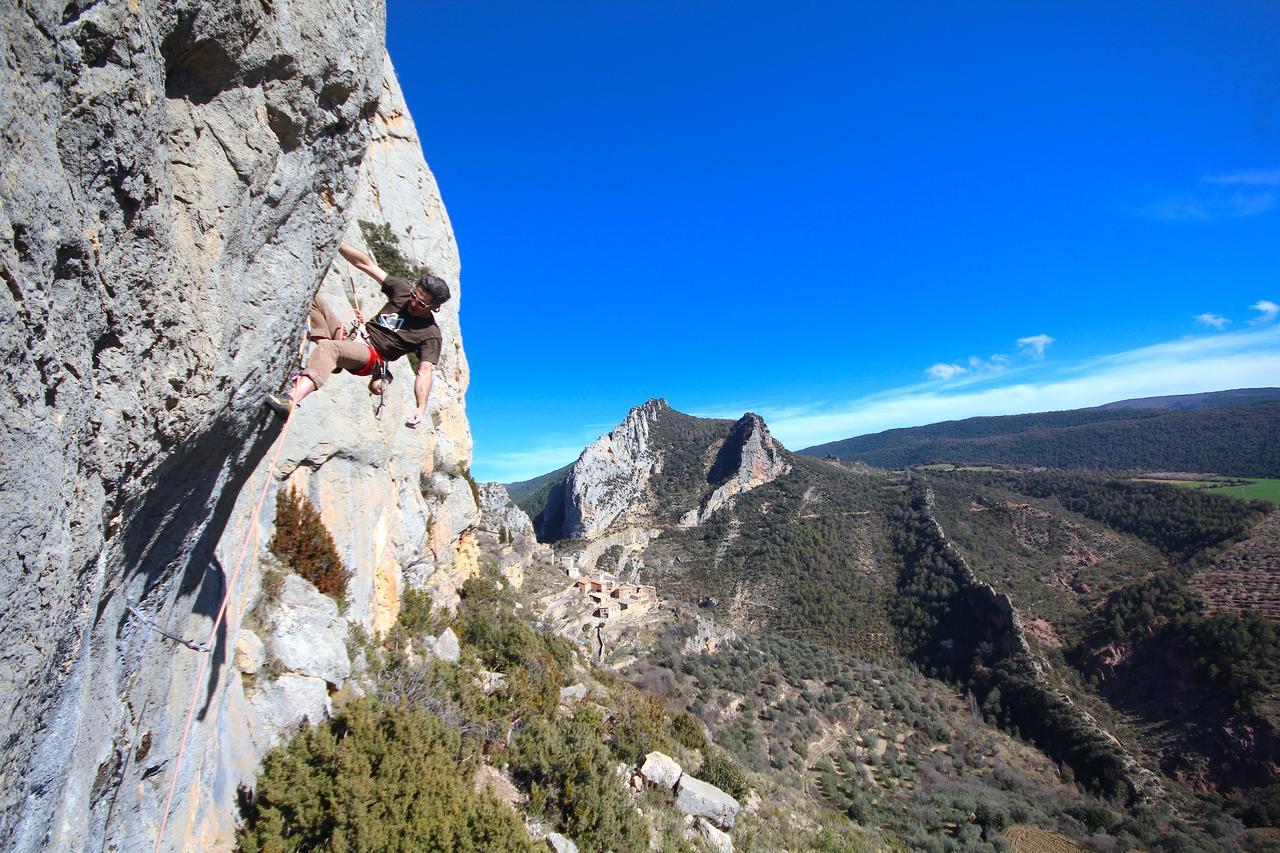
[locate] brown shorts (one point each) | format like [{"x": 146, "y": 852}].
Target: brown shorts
[{"x": 329, "y": 355}]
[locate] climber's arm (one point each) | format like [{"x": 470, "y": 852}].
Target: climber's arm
[
  {"x": 363, "y": 262},
  {"x": 421, "y": 391}
]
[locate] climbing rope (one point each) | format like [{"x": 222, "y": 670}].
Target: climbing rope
[{"x": 207, "y": 647}]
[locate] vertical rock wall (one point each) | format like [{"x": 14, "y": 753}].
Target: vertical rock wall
[
  {"x": 399, "y": 502},
  {"x": 174, "y": 180}
]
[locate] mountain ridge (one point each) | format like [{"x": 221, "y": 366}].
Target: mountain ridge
[{"x": 1207, "y": 433}]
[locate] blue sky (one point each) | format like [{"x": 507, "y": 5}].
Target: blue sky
[{"x": 847, "y": 216}]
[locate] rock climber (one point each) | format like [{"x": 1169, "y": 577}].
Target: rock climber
[{"x": 405, "y": 324}]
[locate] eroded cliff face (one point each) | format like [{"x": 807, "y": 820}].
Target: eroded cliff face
[
  {"x": 175, "y": 182},
  {"x": 398, "y": 502},
  {"x": 610, "y": 476},
  {"x": 747, "y": 459}
]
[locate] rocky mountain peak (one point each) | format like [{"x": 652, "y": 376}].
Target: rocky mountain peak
[
  {"x": 657, "y": 458},
  {"x": 611, "y": 474},
  {"x": 749, "y": 457}
]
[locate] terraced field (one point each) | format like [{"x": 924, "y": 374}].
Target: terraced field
[
  {"x": 1258, "y": 490},
  {"x": 1245, "y": 576}
]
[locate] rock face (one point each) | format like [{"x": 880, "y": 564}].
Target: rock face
[
  {"x": 399, "y": 503},
  {"x": 307, "y": 634},
  {"x": 281, "y": 705},
  {"x": 504, "y": 529},
  {"x": 747, "y": 459},
  {"x": 608, "y": 479},
  {"x": 702, "y": 799},
  {"x": 175, "y": 180},
  {"x": 627, "y": 478}
]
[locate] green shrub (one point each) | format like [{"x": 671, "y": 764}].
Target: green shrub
[
  {"x": 687, "y": 731},
  {"x": 303, "y": 545},
  {"x": 384, "y": 245},
  {"x": 375, "y": 779},
  {"x": 639, "y": 725},
  {"x": 567, "y": 769},
  {"x": 720, "y": 770},
  {"x": 415, "y": 616}
]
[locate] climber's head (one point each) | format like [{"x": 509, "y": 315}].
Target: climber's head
[{"x": 431, "y": 292}]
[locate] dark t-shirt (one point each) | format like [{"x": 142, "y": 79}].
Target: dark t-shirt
[{"x": 395, "y": 332}]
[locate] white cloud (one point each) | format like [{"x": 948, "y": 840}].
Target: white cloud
[
  {"x": 1217, "y": 321},
  {"x": 1034, "y": 345},
  {"x": 1267, "y": 311},
  {"x": 517, "y": 465},
  {"x": 1216, "y": 362},
  {"x": 1177, "y": 210},
  {"x": 1256, "y": 178},
  {"x": 1235, "y": 195},
  {"x": 941, "y": 370}
]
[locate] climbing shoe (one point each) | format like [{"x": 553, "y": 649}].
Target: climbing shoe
[{"x": 281, "y": 404}]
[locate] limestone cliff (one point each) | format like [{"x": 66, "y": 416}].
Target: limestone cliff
[
  {"x": 175, "y": 182},
  {"x": 505, "y": 531},
  {"x": 747, "y": 459},
  {"x": 610, "y": 475},
  {"x": 660, "y": 467},
  {"x": 399, "y": 502}
]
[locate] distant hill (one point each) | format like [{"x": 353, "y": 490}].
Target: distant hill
[
  {"x": 531, "y": 495},
  {"x": 1198, "y": 432},
  {"x": 972, "y": 576},
  {"x": 1206, "y": 400}
]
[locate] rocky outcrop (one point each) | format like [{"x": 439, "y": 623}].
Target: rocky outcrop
[
  {"x": 399, "y": 503},
  {"x": 702, "y": 799},
  {"x": 281, "y": 705},
  {"x": 175, "y": 180},
  {"x": 608, "y": 479},
  {"x": 747, "y": 459},
  {"x": 505, "y": 531},
  {"x": 661, "y": 769},
  {"x": 707, "y": 637},
  {"x": 307, "y": 633}
]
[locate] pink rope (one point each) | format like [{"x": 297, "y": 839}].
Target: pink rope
[{"x": 213, "y": 632}]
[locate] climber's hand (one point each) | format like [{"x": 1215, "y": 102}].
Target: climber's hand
[{"x": 414, "y": 420}]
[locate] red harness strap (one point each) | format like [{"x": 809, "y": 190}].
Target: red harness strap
[{"x": 375, "y": 362}]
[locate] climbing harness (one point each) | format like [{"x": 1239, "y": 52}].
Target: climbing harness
[
  {"x": 376, "y": 366},
  {"x": 203, "y": 667}
]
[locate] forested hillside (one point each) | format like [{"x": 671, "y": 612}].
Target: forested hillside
[
  {"x": 1235, "y": 440},
  {"x": 1056, "y": 604}
]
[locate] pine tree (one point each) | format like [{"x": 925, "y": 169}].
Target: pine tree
[{"x": 304, "y": 546}]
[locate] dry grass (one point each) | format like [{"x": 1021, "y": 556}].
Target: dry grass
[{"x": 1024, "y": 838}]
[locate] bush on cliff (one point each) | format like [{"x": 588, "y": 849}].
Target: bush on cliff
[
  {"x": 303, "y": 545},
  {"x": 568, "y": 771},
  {"x": 723, "y": 772},
  {"x": 376, "y": 779}
]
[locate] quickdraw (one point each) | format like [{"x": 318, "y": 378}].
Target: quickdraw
[{"x": 191, "y": 644}]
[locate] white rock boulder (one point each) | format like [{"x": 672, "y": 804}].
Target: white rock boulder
[
  {"x": 702, "y": 799},
  {"x": 560, "y": 844},
  {"x": 661, "y": 770},
  {"x": 573, "y": 693},
  {"x": 447, "y": 648},
  {"x": 308, "y": 635},
  {"x": 251, "y": 654},
  {"x": 282, "y": 705},
  {"x": 716, "y": 839}
]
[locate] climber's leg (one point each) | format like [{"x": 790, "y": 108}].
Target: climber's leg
[
  {"x": 324, "y": 321},
  {"x": 327, "y": 358}
]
